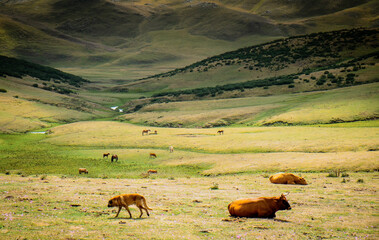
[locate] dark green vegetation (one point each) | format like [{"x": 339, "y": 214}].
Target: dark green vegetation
[
  {"x": 20, "y": 68},
  {"x": 330, "y": 47}
]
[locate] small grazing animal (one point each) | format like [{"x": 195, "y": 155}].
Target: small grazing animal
[
  {"x": 153, "y": 155},
  {"x": 105, "y": 155},
  {"x": 287, "y": 178},
  {"x": 262, "y": 207},
  {"x": 83, "y": 170},
  {"x": 171, "y": 148},
  {"x": 152, "y": 171},
  {"x": 114, "y": 157},
  {"x": 145, "y": 132},
  {"x": 126, "y": 200},
  {"x": 220, "y": 132}
]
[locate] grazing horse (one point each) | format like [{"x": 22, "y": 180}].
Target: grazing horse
[
  {"x": 105, "y": 155},
  {"x": 153, "y": 155},
  {"x": 145, "y": 132},
  {"x": 114, "y": 157},
  {"x": 171, "y": 148},
  {"x": 220, "y": 132},
  {"x": 154, "y": 133}
]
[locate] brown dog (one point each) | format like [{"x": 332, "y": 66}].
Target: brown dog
[{"x": 125, "y": 200}]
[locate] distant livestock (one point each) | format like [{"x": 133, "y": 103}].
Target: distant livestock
[
  {"x": 145, "y": 132},
  {"x": 220, "y": 132},
  {"x": 153, "y": 155},
  {"x": 114, "y": 157},
  {"x": 287, "y": 178},
  {"x": 262, "y": 207},
  {"x": 152, "y": 171},
  {"x": 171, "y": 148},
  {"x": 83, "y": 170},
  {"x": 105, "y": 155}
]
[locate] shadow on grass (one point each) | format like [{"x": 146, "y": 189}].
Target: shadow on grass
[
  {"x": 281, "y": 220},
  {"x": 126, "y": 218}
]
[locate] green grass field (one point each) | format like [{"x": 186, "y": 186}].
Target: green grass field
[
  {"x": 197, "y": 151},
  {"x": 319, "y": 107}
]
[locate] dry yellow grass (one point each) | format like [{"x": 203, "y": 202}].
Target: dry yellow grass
[
  {"x": 186, "y": 208},
  {"x": 235, "y": 140},
  {"x": 278, "y": 162}
]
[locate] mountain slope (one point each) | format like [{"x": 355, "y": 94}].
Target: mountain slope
[
  {"x": 140, "y": 34},
  {"x": 34, "y": 96},
  {"x": 288, "y": 57}
]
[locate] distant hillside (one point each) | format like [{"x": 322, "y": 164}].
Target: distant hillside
[
  {"x": 320, "y": 61},
  {"x": 33, "y": 96},
  {"x": 279, "y": 62},
  {"x": 150, "y": 36},
  {"x": 20, "y": 68}
]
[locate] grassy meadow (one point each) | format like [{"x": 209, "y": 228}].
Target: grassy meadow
[
  {"x": 198, "y": 152},
  {"x": 347, "y": 104},
  {"x": 194, "y": 184}
]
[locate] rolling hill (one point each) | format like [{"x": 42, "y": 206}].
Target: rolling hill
[
  {"x": 127, "y": 40},
  {"x": 34, "y": 97},
  {"x": 267, "y": 75}
]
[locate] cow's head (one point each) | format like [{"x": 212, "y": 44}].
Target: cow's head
[
  {"x": 301, "y": 181},
  {"x": 283, "y": 203}
]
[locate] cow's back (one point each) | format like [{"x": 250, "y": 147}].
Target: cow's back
[
  {"x": 249, "y": 208},
  {"x": 282, "y": 178}
]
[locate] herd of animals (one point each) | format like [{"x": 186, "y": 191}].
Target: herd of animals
[{"x": 262, "y": 207}]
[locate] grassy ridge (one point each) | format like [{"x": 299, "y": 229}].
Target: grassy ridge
[
  {"x": 276, "y": 59},
  {"x": 355, "y": 103},
  {"x": 20, "y": 68},
  {"x": 27, "y": 105}
]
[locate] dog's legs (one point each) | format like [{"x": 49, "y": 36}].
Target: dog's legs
[
  {"x": 140, "y": 209},
  {"x": 126, "y": 207},
  {"x": 140, "y": 206},
  {"x": 119, "y": 209}
]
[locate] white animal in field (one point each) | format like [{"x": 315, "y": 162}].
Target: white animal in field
[{"x": 171, "y": 148}]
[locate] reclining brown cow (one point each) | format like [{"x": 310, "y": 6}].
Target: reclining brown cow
[
  {"x": 262, "y": 207},
  {"x": 83, "y": 170},
  {"x": 287, "y": 178}
]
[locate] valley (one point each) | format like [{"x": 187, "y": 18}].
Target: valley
[{"x": 192, "y": 104}]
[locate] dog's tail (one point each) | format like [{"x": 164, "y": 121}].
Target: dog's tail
[{"x": 144, "y": 203}]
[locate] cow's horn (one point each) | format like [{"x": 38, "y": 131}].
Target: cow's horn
[{"x": 286, "y": 194}]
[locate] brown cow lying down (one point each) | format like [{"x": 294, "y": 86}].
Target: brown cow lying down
[
  {"x": 287, "y": 178},
  {"x": 262, "y": 207},
  {"x": 83, "y": 170},
  {"x": 152, "y": 171}
]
